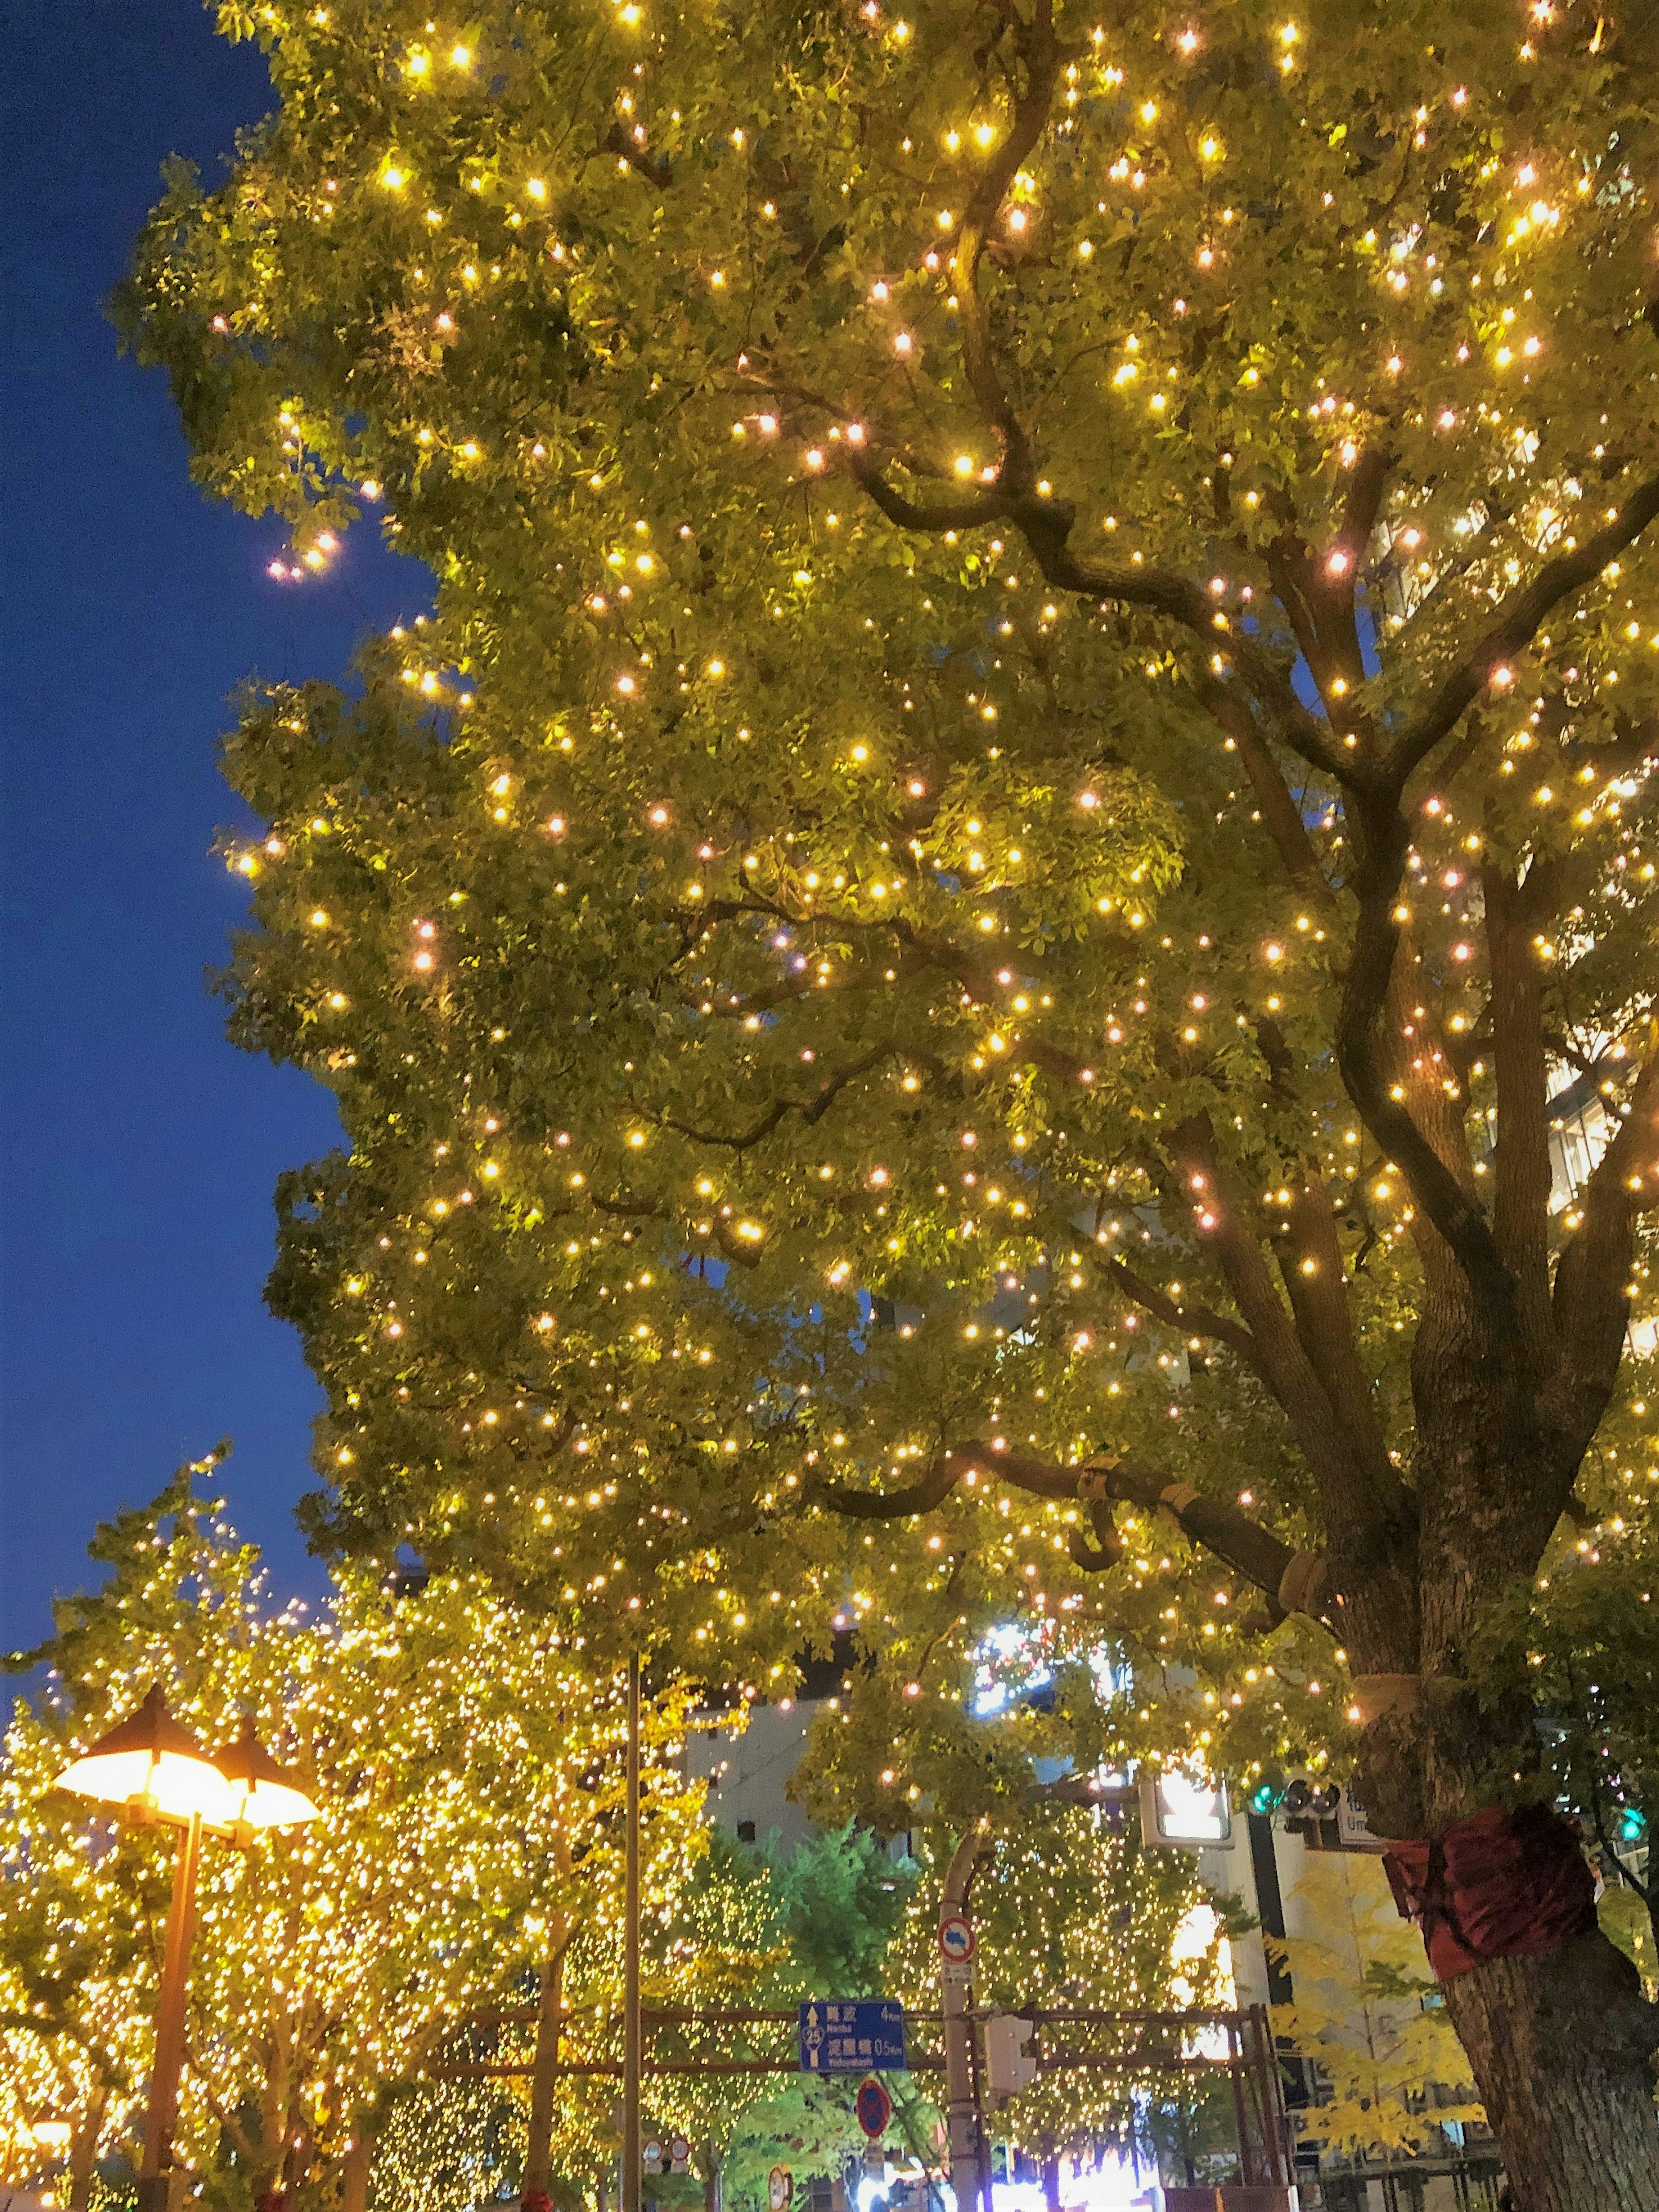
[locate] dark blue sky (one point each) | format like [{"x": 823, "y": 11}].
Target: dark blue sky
[{"x": 140, "y": 1149}]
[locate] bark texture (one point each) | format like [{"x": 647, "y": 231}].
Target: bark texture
[{"x": 1559, "y": 2044}]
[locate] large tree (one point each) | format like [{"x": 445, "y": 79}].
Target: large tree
[{"x": 1037, "y": 747}]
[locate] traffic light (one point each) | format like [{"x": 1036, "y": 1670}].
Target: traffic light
[
  {"x": 1010, "y": 2057},
  {"x": 1298, "y": 1798},
  {"x": 1265, "y": 1798},
  {"x": 1305, "y": 1799},
  {"x": 1189, "y": 1811}
]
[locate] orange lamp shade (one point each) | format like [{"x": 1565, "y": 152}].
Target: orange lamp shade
[
  {"x": 150, "y": 1760},
  {"x": 263, "y": 1795}
]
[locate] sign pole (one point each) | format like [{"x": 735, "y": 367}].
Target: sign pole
[
  {"x": 957, "y": 2003},
  {"x": 633, "y": 2194}
]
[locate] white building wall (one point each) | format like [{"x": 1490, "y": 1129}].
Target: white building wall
[{"x": 748, "y": 1771}]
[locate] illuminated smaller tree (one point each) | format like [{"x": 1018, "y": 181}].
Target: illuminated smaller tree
[
  {"x": 1070, "y": 1913},
  {"x": 468, "y": 1760},
  {"x": 1369, "y": 2017}
]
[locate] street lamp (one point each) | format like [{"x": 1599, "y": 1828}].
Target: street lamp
[{"x": 152, "y": 1767}]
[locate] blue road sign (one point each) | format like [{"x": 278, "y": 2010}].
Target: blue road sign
[{"x": 852, "y": 2035}]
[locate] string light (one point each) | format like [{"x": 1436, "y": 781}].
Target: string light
[{"x": 969, "y": 721}]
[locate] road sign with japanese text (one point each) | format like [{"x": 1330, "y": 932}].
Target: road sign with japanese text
[{"x": 852, "y": 2035}]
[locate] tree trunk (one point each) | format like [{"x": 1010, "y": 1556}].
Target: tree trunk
[
  {"x": 1051, "y": 2181},
  {"x": 1559, "y": 2048},
  {"x": 711, "y": 2180},
  {"x": 83, "y": 2153},
  {"x": 355, "y": 2175},
  {"x": 543, "y": 2083},
  {"x": 1560, "y": 2043}
]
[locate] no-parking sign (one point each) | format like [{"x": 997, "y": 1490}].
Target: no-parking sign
[{"x": 873, "y": 2106}]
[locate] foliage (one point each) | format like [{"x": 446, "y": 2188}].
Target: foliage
[
  {"x": 840, "y": 1898},
  {"x": 946, "y": 963},
  {"x": 809, "y": 2126},
  {"x": 1069, "y": 1911},
  {"x": 1367, "y": 2017},
  {"x": 446, "y": 2148},
  {"x": 467, "y": 1761},
  {"x": 774, "y": 1926},
  {"x": 1585, "y": 1633}
]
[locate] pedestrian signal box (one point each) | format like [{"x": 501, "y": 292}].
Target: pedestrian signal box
[{"x": 1010, "y": 2054}]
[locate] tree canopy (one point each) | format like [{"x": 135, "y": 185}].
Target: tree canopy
[{"x": 947, "y": 958}]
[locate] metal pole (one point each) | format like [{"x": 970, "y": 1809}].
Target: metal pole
[
  {"x": 161, "y": 2114},
  {"x": 632, "y": 2149},
  {"x": 1270, "y": 2095},
  {"x": 1241, "y": 2118},
  {"x": 982, "y": 2133},
  {"x": 956, "y": 2002}
]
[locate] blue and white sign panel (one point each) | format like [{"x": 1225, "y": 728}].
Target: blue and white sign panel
[{"x": 852, "y": 2035}]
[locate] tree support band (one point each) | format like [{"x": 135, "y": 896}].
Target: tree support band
[{"x": 1500, "y": 1884}]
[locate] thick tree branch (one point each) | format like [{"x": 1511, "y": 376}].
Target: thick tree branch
[
  {"x": 1098, "y": 1547},
  {"x": 1447, "y": 1202},
  {"x": 1316, "y": 588},
  {"x": 811, "y": 1109},
  {"x": 1280, "y": 814},
  {"x": 1315, "y": 1283},
  {"x": 1360, "y": 510},
  {"x": 1294, "y": 1580},
  {"x": 1591, "y": 1309},
  {"x": 655, "y": 168},
  {"x": 1219, "y": 1217},
  {"x": 1521, "y": 1196},
  {"x": 1633, "y": 745},
  {"x": 973, "y": 512},
  {"x": 1046, "y": 526},
  {"x": 1193, "y": 1321},
  {"x": 932, "y": 1489},
  {"x": 1517, "y": 623},
  {"x": 1042, "y": 55}
]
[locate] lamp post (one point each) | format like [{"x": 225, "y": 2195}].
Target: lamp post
[
  {"x": 633, "y": 2195},
  {"x": 154, "y": 1769}
]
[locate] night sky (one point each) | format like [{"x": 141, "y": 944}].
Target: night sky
[{"x": 141, "y": 1149}]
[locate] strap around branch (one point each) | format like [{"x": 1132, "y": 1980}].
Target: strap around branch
[
  {"x": 1376, "y": 1696},
  {"x": 1295, "y": 1584},
  {"x": 1095, "y": 1480}
]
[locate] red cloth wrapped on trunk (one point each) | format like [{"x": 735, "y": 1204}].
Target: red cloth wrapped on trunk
[{"x": 1498, "y": 1885}]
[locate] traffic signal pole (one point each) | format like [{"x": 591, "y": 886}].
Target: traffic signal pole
[{"x": 964, "y": 2130}]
